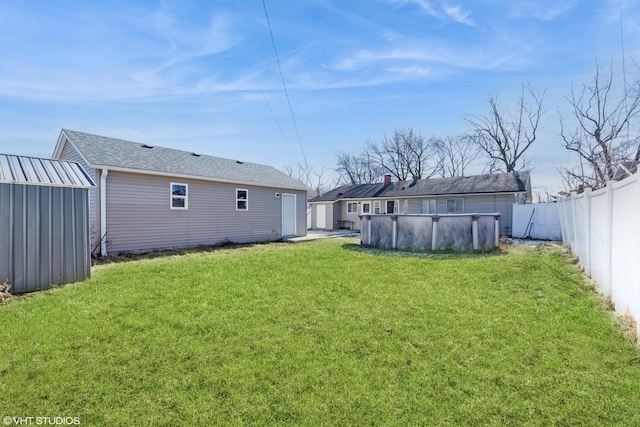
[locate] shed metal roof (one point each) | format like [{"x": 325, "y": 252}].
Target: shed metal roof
[
  {"x": 105, "y": 152},
  {"x": 36, "y": 171}
]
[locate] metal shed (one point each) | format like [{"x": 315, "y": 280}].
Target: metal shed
[{"x": 44, "y": 223}]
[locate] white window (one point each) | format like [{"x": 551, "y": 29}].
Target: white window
[
  {"x": 242, "y": 199},
  {"x": 366, "y": 207},
  {"x": 455, "y": 205},
  {"x": 428, "y": 206},
  {"x": 392, "y": 206},
  {"x": 376, "y": 207},
  {"x": 352, "y": 207},
  {"x": 178, "y": 196},
  {"x": 405, "y": 206}
]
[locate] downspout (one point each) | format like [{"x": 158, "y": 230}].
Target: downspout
[{"x": 103, "y": 212}]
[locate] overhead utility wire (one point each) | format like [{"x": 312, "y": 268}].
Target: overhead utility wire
[
  {"x": 274, "y": 117},
  {"x": 293, "y": 118}
]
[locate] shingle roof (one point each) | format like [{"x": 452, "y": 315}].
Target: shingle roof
[
  {"x": 514, "y": 182},
  {"x": 101, "y": 151},
  {"x": 624, "y": 168},
  {"x": 35, "y": 171}
]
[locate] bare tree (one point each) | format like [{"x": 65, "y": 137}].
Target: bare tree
[
  {"x": 602, "y": 118},
  {"x": 456, "y": 154},
  {"x": 357, "y": 169},
  {"x": 312, "y": 179},
  {"x": 405, "y": 154},
  {"x": 505, "y": 135}
]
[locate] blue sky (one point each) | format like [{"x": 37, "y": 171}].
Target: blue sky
[{"x": 202, "y": 75}]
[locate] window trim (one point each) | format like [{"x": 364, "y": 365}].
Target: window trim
[
  {"x": 455, "y": 202},
  {"x": 173, "y": 196},
  {"x": 363, "y": 205},
  {"x": 352, "y": 203},
  {"x": 396, "y": 206},
  {"x": 428, "y": 201},
  {"x": 376, "y": 207},
  {"x": 245, "y": 200}
]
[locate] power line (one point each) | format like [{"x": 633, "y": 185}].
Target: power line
[
  {"x": 275, "y": 118},
  {"x": 293, "y": 118},
  {"x": 624, "y": 71}
]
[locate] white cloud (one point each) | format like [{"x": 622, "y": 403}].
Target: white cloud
[
  {"x": 545, "y": 10},
  {"x": 442, "y": 11},
  {"x": 435, "y": 54},
  {"x": 425, "y": 5},
  {"x": 457, "y": 14}
]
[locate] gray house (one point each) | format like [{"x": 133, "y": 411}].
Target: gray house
[
  {"x": 149, "y": 197},
  {"x": 492, "y": 193}
]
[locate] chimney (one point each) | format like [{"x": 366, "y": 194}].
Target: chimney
[{"x": 387, "y": 180}]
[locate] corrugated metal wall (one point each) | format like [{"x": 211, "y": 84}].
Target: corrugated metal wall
[{"x": 44, "y": 236}]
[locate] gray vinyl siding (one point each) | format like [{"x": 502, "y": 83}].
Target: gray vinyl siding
[
  {"x": 69, "y": 153},
  {"x": 344, "y": 216},
  {"x": 336, "y": 215},
  {"x": 301, "y": 212},
  {"x": 139, "y": 217}
]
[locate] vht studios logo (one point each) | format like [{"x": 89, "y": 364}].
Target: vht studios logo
[{"x": 41, "y": 421}]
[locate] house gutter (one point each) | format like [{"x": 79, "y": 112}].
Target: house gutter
[
  {"x": 283, "y": 186},
  {"x": 103, "y": 212}
]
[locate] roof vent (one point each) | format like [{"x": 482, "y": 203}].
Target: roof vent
[
  {"x": 147, "y": 146},
  {"x": 239, "y": 162},
  {"x": 195, "y": 154}
]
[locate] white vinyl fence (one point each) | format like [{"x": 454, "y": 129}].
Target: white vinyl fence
[
  {"x": 536, "y": 221},
  {"x": 603, "y": 230}
]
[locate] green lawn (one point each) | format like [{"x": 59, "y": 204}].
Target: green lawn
[{"x": 322, "y": 333}]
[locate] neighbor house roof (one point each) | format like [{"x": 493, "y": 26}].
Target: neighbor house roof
[
  {"x": 625, "y": 169},
  {"x": 36, "y": 171},
  {"x": 102, "y": 152},
  {"x": 514, "y": 182}
]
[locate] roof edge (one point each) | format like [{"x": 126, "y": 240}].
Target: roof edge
[
  {"x": 419, "y": 196},
  {"x": 193, "y": 177}
]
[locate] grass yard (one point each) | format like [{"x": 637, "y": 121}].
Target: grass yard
[{"x": 322, "y": 333}]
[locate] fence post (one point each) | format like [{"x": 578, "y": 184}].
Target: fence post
[
  {"x": 563, "y": 220},
  {"x": 587, "y": 230},
  {"x": 574, "y": 244},
  {"x": 434, "y": 232},
  {"x": 394, "y": 231},
  {"x": 474, "y": 231},
  {"x": 608, "y": 290},
  {"x": 496, "y": 230}
]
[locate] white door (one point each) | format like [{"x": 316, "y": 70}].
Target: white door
[
  {"x": 288, "y": 215},
  {"x": 321, "y": 216}
]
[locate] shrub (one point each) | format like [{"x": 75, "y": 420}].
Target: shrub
[{"x": 5, "y": 293}]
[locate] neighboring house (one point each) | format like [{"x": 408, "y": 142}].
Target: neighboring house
[
  {"x": 626, "y": 169},
  {"x": 493, "y": 193},
  {"x": 151, "y": 198}
]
